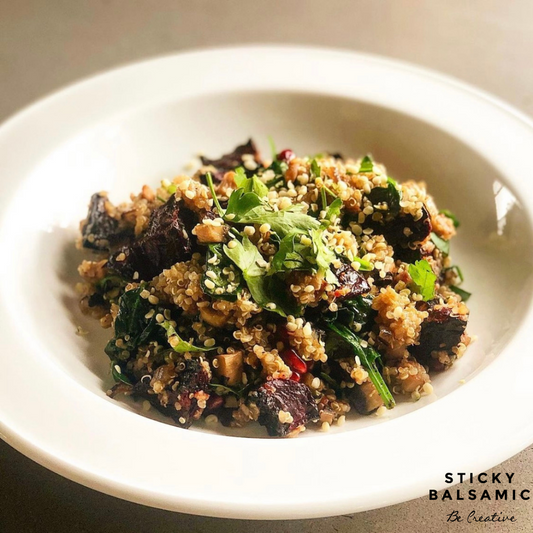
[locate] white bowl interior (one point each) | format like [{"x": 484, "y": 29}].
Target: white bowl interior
[{"x": 493, "y": 246}]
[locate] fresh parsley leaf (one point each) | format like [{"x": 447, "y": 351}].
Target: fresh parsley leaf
[
  {"x": 441, "y": 244},
  {"x": 291, "y": 255},
  {"x": 240, "y": 203},
  {"x": 315, "y": 168},
  {"x": 366, "y": 165},
  {"x": 240, "y": 177},
  {"x": 324, "y": 256},
  {"x": 334, "y": 210},
  {"x": 224, "y": 289},
  {"x": 465, "y": 295},
  {"x": 181, "y": 346},
  {"x": 253, "y": 184},
  {"x": 424, "y": 278},
  {"x": 390, "y": 195},
  {"x": 368, "y": 357},
  {"x": 449, "y": 214}
]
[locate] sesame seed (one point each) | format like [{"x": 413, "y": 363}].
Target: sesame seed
[
  {"x": 309, "y": 288},
  {"x": 154, "y": 300},
  {"x": 264, "y": 228},
  {"x": 208, "y": 343},
  {"x": 135, "y": 275},
  {"x": 190, "y": 194},
  {"x": 145, "y": 294},
  {"x": 231, "y": 216},
  {"x": 325, "y": 426},
  {"x": 121, "y": 256},
  {"x": 211, "y": 274},
  {"x": 249, "y": 230},
  {"x": 159, "y": 318},
  {"x": 315, "y": 383},
  {"x": 232, "y": 244},
  {"x": 341, "y": 420}
]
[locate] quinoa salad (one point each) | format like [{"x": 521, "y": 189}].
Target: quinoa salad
[{"x": 293, "y": 292}]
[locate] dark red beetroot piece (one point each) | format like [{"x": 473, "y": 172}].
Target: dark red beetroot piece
[
  {"x": 351, "y": 282},
  {"x": 100, "y": 231},
  {"x": 166, "y": 241},
  {"x": 232, "y": 160},
  {"x": 284, "y": 395},
  {"x": 192, "y": 379},
  {"x": 441, "y": 331}
]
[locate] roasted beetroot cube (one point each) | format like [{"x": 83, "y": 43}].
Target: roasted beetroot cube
[
  {"x": 100, "y": 230},
  {"x": 167, "y": 240},
  {"x": 351, "y": 282},
  {"x": 284, "y": 405},
  {"x": 232, "y": 160}
]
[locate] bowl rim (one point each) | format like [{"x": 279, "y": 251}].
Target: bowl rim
[{"x": 247, "y": 492}]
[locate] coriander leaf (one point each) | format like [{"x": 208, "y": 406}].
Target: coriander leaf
[
  {"x": 240, "y": 203},
  {"x": 315, "y": 168},
  {"x": 424, "y": 278},
  {"x": 366, "y": 165},
  {"x": 257, "y": 186},
  {"x": 334, "y": 210},
  {"x": 368, "y": 357},
  {"x": 178, "y": 344},
  {"x": 324, "y": 256},
  {"x": 465, "y": 295},
  {"x": 282, "y": 222},
  {"x": 216, "y": 263},
  {"x": 240, "y": 177},
  {"x": 449, "y": 214},
  {"x": 291, "y": 255},
  {"x": 441, "y": 244},
  {"x": 264, "y": 289}
]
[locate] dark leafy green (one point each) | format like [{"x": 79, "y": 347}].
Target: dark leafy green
[
  {"x": 180, "y": 345},
  {"x": 224, "y": 288},
  {"x": 368, "y": 357},
  {"x": 389, "y": 195},
  {"x": 118, "y": 376},
  {"x": 465, "y": 295}
]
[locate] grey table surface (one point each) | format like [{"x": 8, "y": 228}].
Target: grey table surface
[{"x": 45, "y": 44}]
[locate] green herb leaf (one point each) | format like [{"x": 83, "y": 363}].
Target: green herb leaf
[
  {"x": 324, "y": 256},
  {"x": 273, "y": 150},
  {"x": 181, "y": 346},
  {"x": 224, "y": 288},
  {"x": 457, "y": 270},
  {"x": 390, "y": 195},
  {"x": 424, "y": 278},
  {"x": 221, "y": 390},
  {"x": 449, "y": 214},
  {"x": 441, "y": 244},
  {"x": 240, "y": 203},
  {"x": 465, "y": 295},
  {"x": 264, "y": 289},
  {"x": 240, "y": 177},
  {"x": 368, "y": 357},
  {"x": 315, "y": 168},
  {"x": 334, "y": 210},
  {"x": 366, "y": 165}
]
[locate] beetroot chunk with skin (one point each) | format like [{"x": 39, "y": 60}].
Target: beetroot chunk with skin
[
  {"x": 351, "y": 282},
  {"x": 441, "y": 331},
  {"x": 166, "y": 241},
  {"x": 284, "y": 395},
  {"x": 100, "y": 230},
  {"x": 232, "y": 160}
]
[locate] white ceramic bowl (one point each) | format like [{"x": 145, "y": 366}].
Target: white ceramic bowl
[{"x": 142, "y": 123}]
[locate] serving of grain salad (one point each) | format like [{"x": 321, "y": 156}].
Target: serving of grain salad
[{"x": 293, "y": 292}]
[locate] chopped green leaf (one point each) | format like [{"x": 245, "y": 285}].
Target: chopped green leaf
[
  {"x": 465, "y": 295},
  {"x": 424, "y": 278},
  {"x": 366, "y": 165},
  {"x": 334, "y": 210},
  {"x": 240, "y": 177},
  {"x": 221, "y": 390},
  {"x": 458, "y": 271},
  {"x": 267, "y": 291},
  {"x": 449, "y": 214},
  {"x": 368, "y": 357},
  {"x": 178, "y": 344},
  {"x": 315, "y": 168},
  {"x": 216, "y": 263},
  {"x": 240, "y": 203},
  {"x": 441, "y": 244},
  {"x": 364, "y": 265},
  {"x": 324, "y": 256}
]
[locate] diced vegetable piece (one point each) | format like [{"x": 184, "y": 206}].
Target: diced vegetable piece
[
  {"x": 284, "y": 406},
  {"x": 208, "y": 233},
  {"x": 229, "y": 366},
  {"x": 166, "y": 241},
  {"x": 232, "y": 160},
  {"x": 365, "y": 398},
  {"x": 100, "y": 230},
  {"x": 351, "y": 282}
]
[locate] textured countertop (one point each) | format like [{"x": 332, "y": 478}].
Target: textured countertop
[{"x": 45, "y": 44}]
